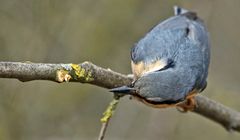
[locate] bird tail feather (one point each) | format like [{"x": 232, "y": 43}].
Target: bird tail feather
[{"x": 178, "y": 10}]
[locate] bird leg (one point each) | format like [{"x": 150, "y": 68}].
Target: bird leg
[{"x": 188, "y": 105}]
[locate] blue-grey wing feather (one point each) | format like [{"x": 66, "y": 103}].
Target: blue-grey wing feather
[{"x": 160, "y": 41}]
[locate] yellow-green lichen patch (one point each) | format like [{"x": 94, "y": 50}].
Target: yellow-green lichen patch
[
  {"x": 81, "y": 73},
  {"x": 62, "y": 75},
  {"x": 109, "y": 111},
  {"x": 89, "y": 77}
]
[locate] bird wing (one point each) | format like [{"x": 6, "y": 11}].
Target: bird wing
[{"x": 158, "y": 48}]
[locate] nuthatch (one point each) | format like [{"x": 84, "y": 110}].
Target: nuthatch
[{"x": 170, "y": 63}]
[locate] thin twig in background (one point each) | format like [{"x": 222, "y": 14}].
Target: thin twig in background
[
  {"x": 103, "y": 130},
  {"x": 107, "y": 115}
]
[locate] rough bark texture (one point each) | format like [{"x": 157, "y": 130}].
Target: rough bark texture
[{"x": 89, "y": 73}]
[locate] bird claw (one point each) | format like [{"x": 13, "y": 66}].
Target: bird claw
[{"x": 187, "y": 105}]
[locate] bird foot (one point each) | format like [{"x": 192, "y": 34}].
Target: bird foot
[{"x": 188, "y": 105}]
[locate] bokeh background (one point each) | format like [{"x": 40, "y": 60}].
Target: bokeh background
[{"x": 103, "y": 31}]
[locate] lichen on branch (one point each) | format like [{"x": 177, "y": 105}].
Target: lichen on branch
[{"x": 74, "y": 73}]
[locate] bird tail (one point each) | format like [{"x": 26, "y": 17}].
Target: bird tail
[
  {"x": 188, "y": 14},
  {"x": 123, "y": 90},
  {"x": 178, "y": 10}
]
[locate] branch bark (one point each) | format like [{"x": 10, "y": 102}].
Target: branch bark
[{"x": 89, "y": 73}]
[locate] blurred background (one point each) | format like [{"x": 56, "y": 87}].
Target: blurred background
[{"x": 103, "y": 31}]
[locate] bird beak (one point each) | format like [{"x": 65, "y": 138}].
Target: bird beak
[{"x": 123, "y": 90}]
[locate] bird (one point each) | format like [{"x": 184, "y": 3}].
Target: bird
[{"x": 170, "y": 63}]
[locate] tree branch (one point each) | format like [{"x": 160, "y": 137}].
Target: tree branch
[
  {"x": 227, "y": 117},
  {"x": 85, "y": 73},
  {"x": 89, "y": 73}
]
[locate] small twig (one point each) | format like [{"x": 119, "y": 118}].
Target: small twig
[
  {"x": 103, "y": 130},
  {"x": 107, "y": 115}
]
